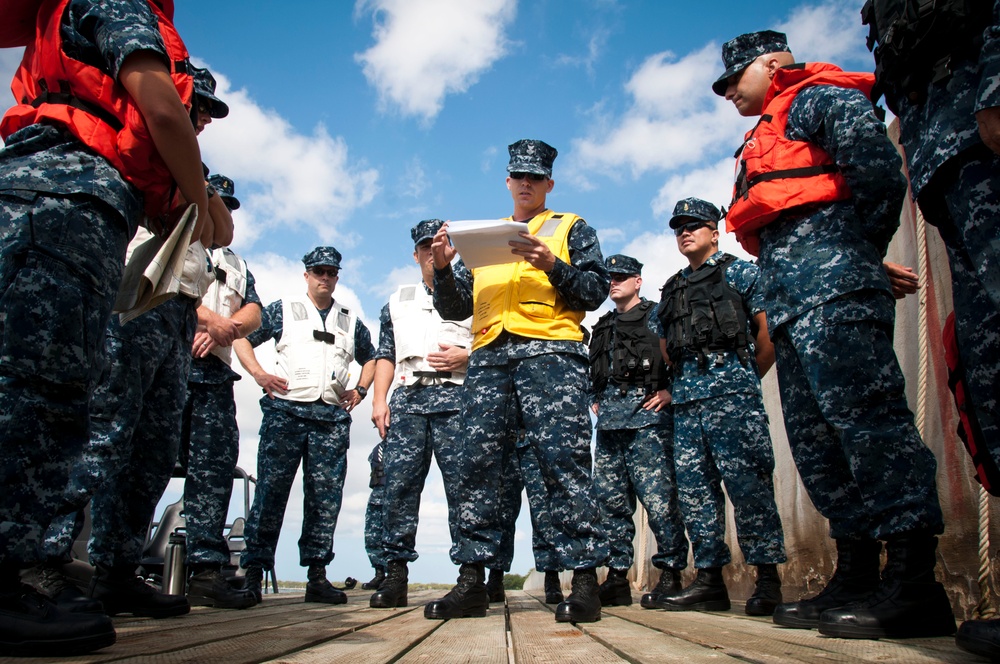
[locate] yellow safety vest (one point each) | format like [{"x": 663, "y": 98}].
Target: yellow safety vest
[{"x": 519, "y": 298}]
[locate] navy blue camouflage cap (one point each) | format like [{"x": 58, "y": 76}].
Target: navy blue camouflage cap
[
  {"x": 531, "y": 156},
  {"x": 694, "y": 208},
  {"x": 622, "y": 264},
  {"x": 326, "y": 256},
  {"x": 425, "y": 230},
  {"x": 226, "y": 190},
  {"x": 737, "y": 54},
  {"x": 204, "y": 87}
]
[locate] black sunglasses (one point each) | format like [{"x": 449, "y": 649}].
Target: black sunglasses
[
  {"x": 324, "y": 271},
  {"x": 535, "y": 177},
  {"x": 692, "y": 226}
]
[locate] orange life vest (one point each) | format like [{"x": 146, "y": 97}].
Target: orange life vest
[
  {"x": 49, "y": 86},
  {"x": 774, "y": 173}
]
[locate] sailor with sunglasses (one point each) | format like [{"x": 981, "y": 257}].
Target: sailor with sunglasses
[
  {"x": 528, "y": 364},
  {"x": 715, "y": 336},
  {"x": 307, "y": 417}
]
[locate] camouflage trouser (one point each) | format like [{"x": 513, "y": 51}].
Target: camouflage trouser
[
  {"x": 963, "y": 201},
  {"x": 630, "y": 463},
  {"x": 61, "y": 260},
  {"x": 725, "y": 439},
  {"x": 136, "y": 421},
  {"x": 409, "y": 443},
  {"x": 210, "y": 445},
  {"x": 524, "y": 464},
  {"x": 374, "y": 527},
  {"x": 322, "y": 448},
  {"x": 850, "y": 430},
  {"x": 548, "y": 395}
]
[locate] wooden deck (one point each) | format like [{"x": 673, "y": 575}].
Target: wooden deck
[{"x": 284, "y": 629}]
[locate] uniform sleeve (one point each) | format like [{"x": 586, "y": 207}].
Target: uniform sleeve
[
  {"x": 748, "y": 280},
  {"x": 453, "y": 291},
  {"x": 117, "y": 28},
  {"x": 988, "y": 94},
  {"x": 842, "y": 122},
  {"x": 364, "y": 351},
  {"x": 270, "y": 325},
  {"x": 386, "y": 337},
  {"x": 583, "y": 282},
  {"x": 250, "y": 296}
]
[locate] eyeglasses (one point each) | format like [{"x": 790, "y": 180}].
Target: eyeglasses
[
  {"x": 325, "y": 271},
  {"x": 692, "y": 226},
  {"x": 534, "y": 177}
]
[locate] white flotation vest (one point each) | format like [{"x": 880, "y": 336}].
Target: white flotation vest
[
  {"x": 225, "y": 294},
  {"x": 314, "y": 358},
  {"x": 418, "y": 329}
]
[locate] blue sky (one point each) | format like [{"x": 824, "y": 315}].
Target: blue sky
[{"x": 351, "y": 121}]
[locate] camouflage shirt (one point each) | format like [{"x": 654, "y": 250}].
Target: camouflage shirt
[
  {"x": 813, "y": 255},
  {"x": 945, "y": 124},
  {"x": 620, "y": 406},
  {"x": 46, "y": 158},
  {"x": 271, "y": 326},
  {"x": 211, "y": 370},
  {"x": 582, "y": 283},
  {"x": 415, "y": 399},
  {"x": 724, "y": 373}
]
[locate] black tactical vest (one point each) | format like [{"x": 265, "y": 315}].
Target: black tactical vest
[
  {"x": 702, "y": 314},
  {"x": 919, "y": 41},
  {"x": 635, "y": 357}
]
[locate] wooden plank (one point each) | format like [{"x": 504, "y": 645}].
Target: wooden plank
[
  {"x": 759, "y": 640},
  {"x": 481, "y": 640},
  {"x": 381, "y": 642},
  {"x": 536, "y": 636},
  {"x": 637, "y": 643}
]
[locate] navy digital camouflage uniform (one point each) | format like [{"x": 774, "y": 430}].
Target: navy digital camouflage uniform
[
  {"x": 634, "y": 458},
  {"x": 956, "y": 180},
  {"x": 721, "y": 435},
  {"x": 210, "y": 446},
  {"x": 830, "y": 312},
  {"x": 66, "y": 216},
  {"x": 374, "y": 526},
  {"x": 425, "y": 420},
  {"x": 544, "y": 385},
  {"x": 316, "y": 433}
]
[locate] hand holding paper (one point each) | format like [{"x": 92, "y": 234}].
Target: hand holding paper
[{"x": 483, "y": 242}]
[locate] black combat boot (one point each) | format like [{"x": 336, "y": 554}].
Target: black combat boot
[
  {"x": 669, "y": 584},
  {"x": 31, "y": 625},
  {"x": 468, "y": 599},
  {"x": 909, "y": 602},
  {"x": 207, "y": 587},
  {"x": 376, "y": 581},
  {"x": 584, "y": 602},
  {"x": 553, "y": 587},
  {"x": 981, "y": 637},
  {"x": 615, "y": 591},
  {"x": 767, "y": 595},
  {"x": 121, "y": 591},
  {"x": 48, "y": 579},
  {"x": 707, "y": 593},
  {"x": 494, "y": 586},
  {"x": 392, "y": 592},
  {"x": 855, "y": 578},
  {"x": 253, "y": 579},
  {"x": 319, "y": 589}
]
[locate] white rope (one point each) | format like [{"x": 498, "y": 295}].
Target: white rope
[
  {"x": 984, "y": 609},
  {"x": 642, "y": 549}
]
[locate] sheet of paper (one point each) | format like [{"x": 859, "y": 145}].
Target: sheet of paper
[{"x": 482, "y": 242}]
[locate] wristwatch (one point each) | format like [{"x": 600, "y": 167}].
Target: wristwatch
[{"x": 362, "y": 391}]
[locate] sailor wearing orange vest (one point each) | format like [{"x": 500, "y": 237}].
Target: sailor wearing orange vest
[
  {"x": 528, "y": 365},
  {"x": 68, "y": 207},
  {"x": 826, "y": 208}
]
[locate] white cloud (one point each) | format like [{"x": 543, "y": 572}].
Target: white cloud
[
  {"x": 285, "y": 179},
  {"x": 427, "y": 49},
  {"x": 10, "y": 58},
  {"x": 712, "y": 182},
  {"x": 830, "y": 31}
]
